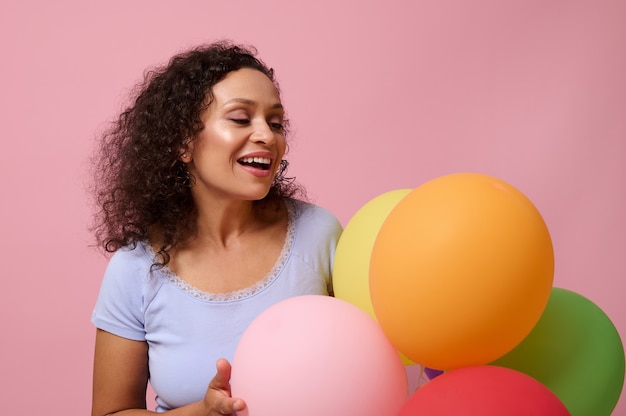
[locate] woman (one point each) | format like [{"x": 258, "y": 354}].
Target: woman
[{"x": 205, "y": 229}]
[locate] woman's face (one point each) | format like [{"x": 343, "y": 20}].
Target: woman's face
[{"x": 243, "y": 142}]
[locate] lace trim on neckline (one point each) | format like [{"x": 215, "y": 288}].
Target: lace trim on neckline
[{"x": 248, "y": 291}]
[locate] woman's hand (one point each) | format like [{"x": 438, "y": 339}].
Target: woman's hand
[{"x": 218, "y": 400}]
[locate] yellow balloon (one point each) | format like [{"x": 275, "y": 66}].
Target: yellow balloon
[
  {"x": 354, "y": 248},
  {"x": 461, "y": 271}
]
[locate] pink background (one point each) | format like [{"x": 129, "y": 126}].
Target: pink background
[{"x": 382, "y": 95}]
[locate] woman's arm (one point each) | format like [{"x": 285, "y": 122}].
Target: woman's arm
[
  {"x": 120, "y": 379},
  {"x": 120, "y": 374}
]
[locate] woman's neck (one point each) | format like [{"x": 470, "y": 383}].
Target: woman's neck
[{"x": 221, "y": 222}]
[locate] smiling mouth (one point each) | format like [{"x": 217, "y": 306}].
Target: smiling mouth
[{"x": 263, "y": 163}]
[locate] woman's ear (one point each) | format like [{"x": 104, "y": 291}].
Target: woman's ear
[
  {"x": 185, "y": 153},
  {"x": 185, "y": 156}
]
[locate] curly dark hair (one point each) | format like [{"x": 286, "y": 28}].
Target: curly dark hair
[{"x": 141, "y": 185}]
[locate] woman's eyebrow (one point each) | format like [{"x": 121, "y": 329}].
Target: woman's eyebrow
[{"x": 250, "y": 102}]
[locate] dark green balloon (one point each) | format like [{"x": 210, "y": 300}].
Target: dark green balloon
[{"x": 576, "y": 351}]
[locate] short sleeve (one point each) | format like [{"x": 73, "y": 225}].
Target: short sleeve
[
  {"x": 331, "y": 230},
  {"x": 316, "y": 242},
  {"x": 119, "y": 308}
]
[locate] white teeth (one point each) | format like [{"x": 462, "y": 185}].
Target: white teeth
[{"x": 262, "y": 160}]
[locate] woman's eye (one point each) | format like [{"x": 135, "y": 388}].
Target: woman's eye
[
  {"x": 277, "y": 126},
  {"x": 240, "y": 121}
]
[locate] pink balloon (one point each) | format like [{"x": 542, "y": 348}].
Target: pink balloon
[
  {"x": 484, "y": 391},
  {"x": 317, "y": 355}
]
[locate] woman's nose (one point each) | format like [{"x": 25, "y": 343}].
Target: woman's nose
[{"x": 263, "y": 133}]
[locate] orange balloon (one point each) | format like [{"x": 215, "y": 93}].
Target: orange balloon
[{"x": 461, "y": 271}]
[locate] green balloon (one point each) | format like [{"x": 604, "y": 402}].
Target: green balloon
[{"x": 576, "y": 351}]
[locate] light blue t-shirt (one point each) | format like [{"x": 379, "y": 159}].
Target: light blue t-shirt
[{"x": 188, "y": 330}]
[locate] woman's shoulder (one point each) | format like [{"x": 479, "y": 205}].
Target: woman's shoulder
[
  {"x": 315, "y": 223},
  {"x": 132, "y": 260},
  {"x": 136, "y": 253},
  {"x": 307, "y": 213},
  {"x": 315, "y": 236},
  {"x": 130, "y": 275}
]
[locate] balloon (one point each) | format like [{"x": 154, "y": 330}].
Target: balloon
[
  {"x": 483, "y": 391},
  {"x": 352, "y": 256},
  {"x": 432, "y": 373},
  {"x": 461, "y": 271},
  {"x": 576, "y": 352},
  {"x": 317, "y": 355}
]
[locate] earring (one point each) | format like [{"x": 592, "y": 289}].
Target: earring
[{"x": 187, "y": 179}]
